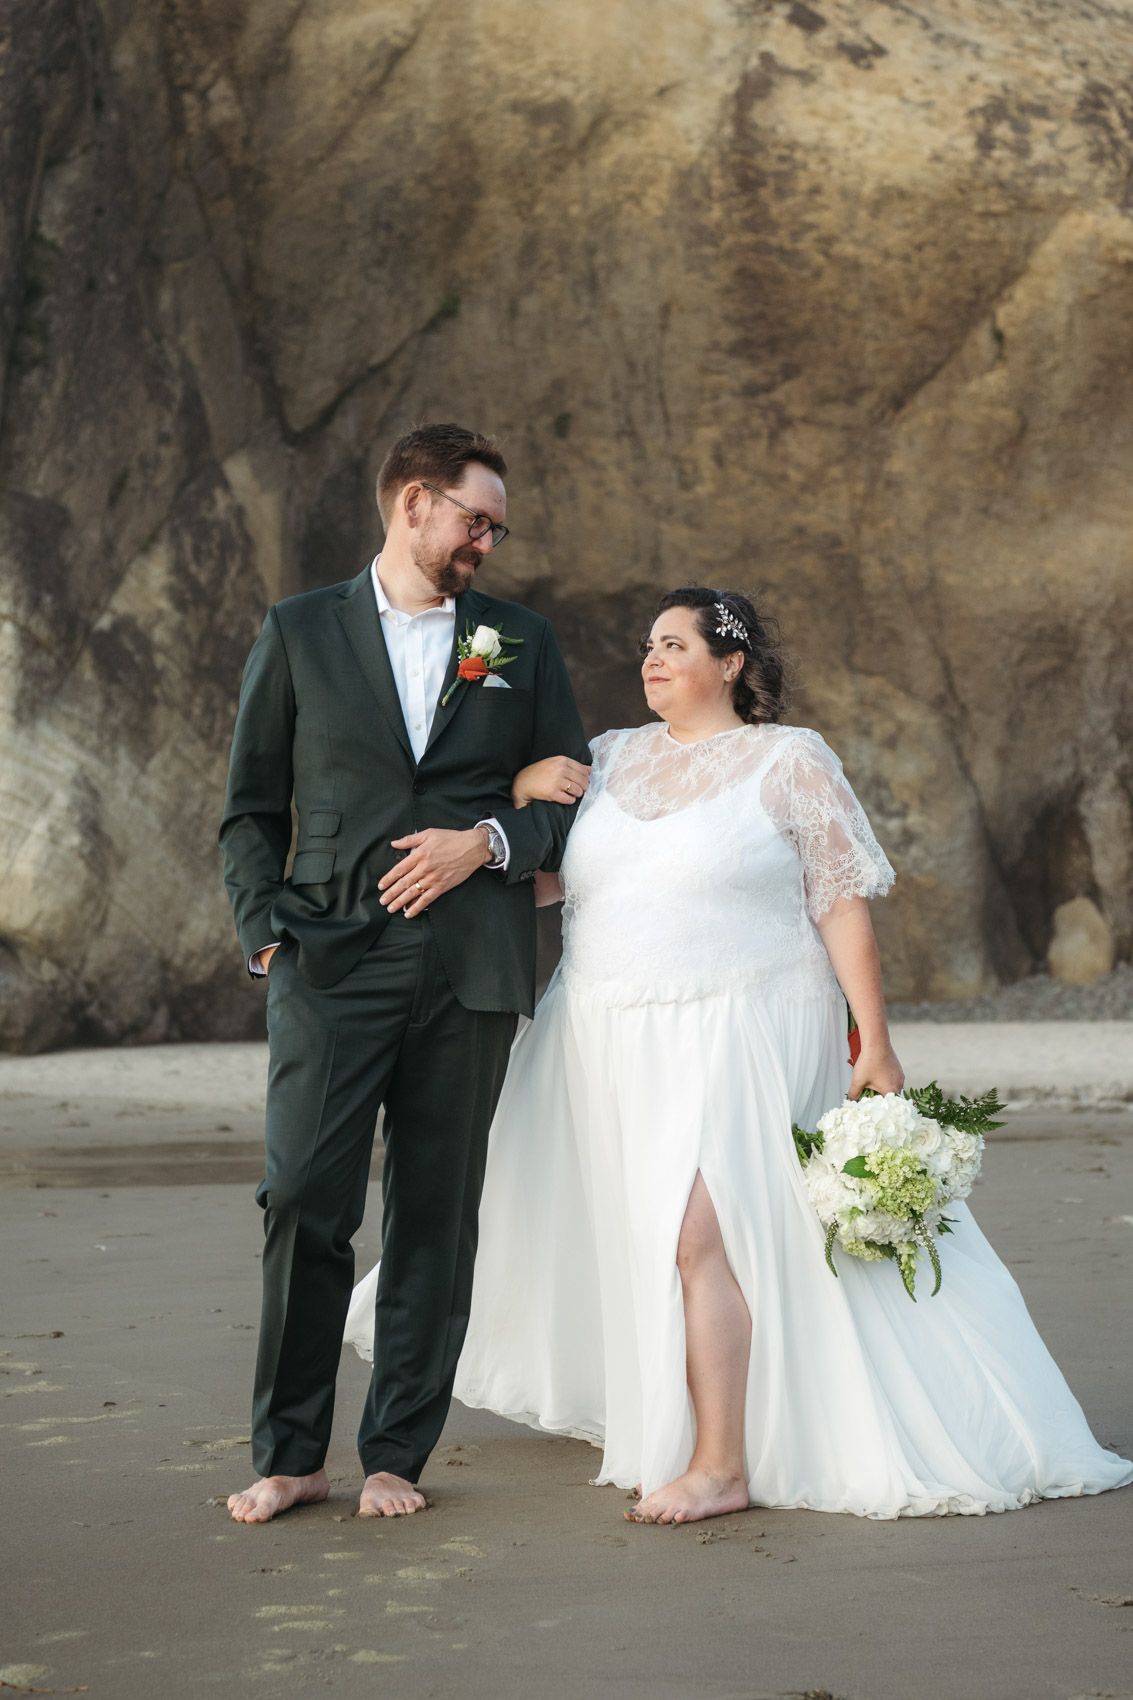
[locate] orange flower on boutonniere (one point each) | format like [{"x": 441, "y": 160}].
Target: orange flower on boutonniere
[{"x": 480, "y": 653}]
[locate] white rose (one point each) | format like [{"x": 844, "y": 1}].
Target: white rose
[
  {"x": 486, "y": 642},
  {"x": 927, "y": 1138}
]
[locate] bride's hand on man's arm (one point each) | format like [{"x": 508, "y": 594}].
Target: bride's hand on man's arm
[{"x": 556, "y": 779}]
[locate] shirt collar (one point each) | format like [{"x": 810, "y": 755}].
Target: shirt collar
[{"x": 385, "y": 606}]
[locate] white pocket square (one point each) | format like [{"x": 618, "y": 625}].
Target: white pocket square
[{"x": 494, "y": 680}]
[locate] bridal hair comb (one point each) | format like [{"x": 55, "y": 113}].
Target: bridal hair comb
[{"x": 729, "y": 626}]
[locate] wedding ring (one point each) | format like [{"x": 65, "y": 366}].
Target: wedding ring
[{"x": 417, "y": 885}]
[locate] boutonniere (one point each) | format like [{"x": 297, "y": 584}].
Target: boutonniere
[{"x": 479, "y": 653}]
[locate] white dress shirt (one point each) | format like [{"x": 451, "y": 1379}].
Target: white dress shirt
[{"x": 419, "y": 646}]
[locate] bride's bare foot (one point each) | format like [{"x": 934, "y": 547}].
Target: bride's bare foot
[
  {"x": 695, "y": 1495},
  {"x": 385, "y": 1495},
  {"x": 269, "y": 1496}
]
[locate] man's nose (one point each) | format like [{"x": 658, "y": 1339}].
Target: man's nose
[{"x": 484, "y": 544}]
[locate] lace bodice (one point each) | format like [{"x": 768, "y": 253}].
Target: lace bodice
[{"x": 698, "y": 868}]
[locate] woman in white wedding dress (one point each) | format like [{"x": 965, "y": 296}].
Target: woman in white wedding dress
[{"x": 651, "y": 1274}]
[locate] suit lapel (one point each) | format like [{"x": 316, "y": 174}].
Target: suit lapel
[
  {"x": 362, "y": 623},
  {"x": 470, "y": 608}
]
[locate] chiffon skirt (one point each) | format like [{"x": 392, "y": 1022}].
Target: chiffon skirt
[{"x": 857, "y": 1399}]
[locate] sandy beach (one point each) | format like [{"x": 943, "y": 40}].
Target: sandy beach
[{"x": 129, "y": 1249}]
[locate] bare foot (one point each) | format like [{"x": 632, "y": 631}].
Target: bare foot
[
  {"x": 385, "y": 1495},
  {"x": 694, "y": 1495},
  {"x": 269, "y": 1496}
]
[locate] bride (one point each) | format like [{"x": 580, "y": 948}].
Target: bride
[{"x": 651, "y": 1273}]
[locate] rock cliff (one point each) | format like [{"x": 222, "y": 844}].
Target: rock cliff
[{"x": 829, "y": 300}]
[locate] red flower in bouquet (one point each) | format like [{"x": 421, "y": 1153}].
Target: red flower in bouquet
[{"x": 473, "y": 667}]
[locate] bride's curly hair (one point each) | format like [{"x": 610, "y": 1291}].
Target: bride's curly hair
[{"x": 761, "y": 689}]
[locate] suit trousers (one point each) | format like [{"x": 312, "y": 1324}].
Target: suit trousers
[{"x": 391, "y": 1033}]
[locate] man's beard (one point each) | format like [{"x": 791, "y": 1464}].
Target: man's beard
[{"x": 449, "y": 575}]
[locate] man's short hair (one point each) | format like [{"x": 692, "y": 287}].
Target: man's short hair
[{"x": 435, "y": 454}]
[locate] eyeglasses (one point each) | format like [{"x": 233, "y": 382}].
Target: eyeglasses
[{"x": 481, "y": 524}]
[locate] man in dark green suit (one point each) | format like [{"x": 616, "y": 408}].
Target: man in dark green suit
[{"x": 400, "y": 949}]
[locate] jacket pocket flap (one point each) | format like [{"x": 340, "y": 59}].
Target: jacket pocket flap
[
  {"x": 321, "y": 823},
  {"x": 312, "y": 867}
]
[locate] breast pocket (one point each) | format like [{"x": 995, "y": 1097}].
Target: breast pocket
[{"x": 499, "y": 708}]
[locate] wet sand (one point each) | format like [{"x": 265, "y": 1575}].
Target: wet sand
[{"x": 128, "y": 1254}]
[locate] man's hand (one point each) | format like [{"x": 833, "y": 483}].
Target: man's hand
[
  {"x": 436, "y": 861},
  {"x": 263, "y": 957}
]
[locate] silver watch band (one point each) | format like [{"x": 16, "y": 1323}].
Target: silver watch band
[{"x": 496, "y": 847}]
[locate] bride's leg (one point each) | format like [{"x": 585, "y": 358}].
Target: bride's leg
[{"x": 717, "y": 1350}]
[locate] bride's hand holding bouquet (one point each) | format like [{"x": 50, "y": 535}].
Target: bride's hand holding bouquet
[{"x": 876, "y": 1068}]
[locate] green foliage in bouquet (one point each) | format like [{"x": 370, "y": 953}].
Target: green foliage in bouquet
[{"x": 966, "y": 1115}]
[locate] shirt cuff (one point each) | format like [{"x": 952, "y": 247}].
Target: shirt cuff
[{"x": 500, "y": 865}]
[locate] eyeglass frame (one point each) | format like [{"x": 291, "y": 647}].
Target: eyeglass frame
[{"x": 498, "y": 531}]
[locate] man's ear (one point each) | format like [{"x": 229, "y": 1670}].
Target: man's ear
[{"x": 410, "y": 499}]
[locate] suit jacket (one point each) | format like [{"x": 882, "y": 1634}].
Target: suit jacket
[{"x": 320, "y": 724}]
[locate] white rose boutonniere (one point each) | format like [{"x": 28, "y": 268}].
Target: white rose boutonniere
[
  {"x": 479, "y": 653},
  {"x": 485, "y": 641}
]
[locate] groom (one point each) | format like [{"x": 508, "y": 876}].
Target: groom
[{"x": 398, "y": 950}]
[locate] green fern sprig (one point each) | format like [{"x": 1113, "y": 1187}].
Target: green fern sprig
[{"x": 966, "y": 1115}]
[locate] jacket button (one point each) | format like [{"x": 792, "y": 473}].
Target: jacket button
[{"x": 419, "y": 789}]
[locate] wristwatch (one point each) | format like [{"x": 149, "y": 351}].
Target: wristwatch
[{"x": 497, "y": 849}]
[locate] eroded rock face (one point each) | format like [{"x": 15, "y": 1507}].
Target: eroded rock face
[{"x": 826, "y": 300}]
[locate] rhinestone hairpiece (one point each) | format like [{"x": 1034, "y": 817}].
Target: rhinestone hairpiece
[{"x": 729, "y": 626}]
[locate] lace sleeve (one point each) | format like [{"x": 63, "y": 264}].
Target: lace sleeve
[
  {"x": 602, "y": 746},
  {"x": 807, "y": 795},
  {"x": 603, "y": 750}
]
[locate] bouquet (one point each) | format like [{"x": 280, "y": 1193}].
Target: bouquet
[{"x": 880, "y": 1171}]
